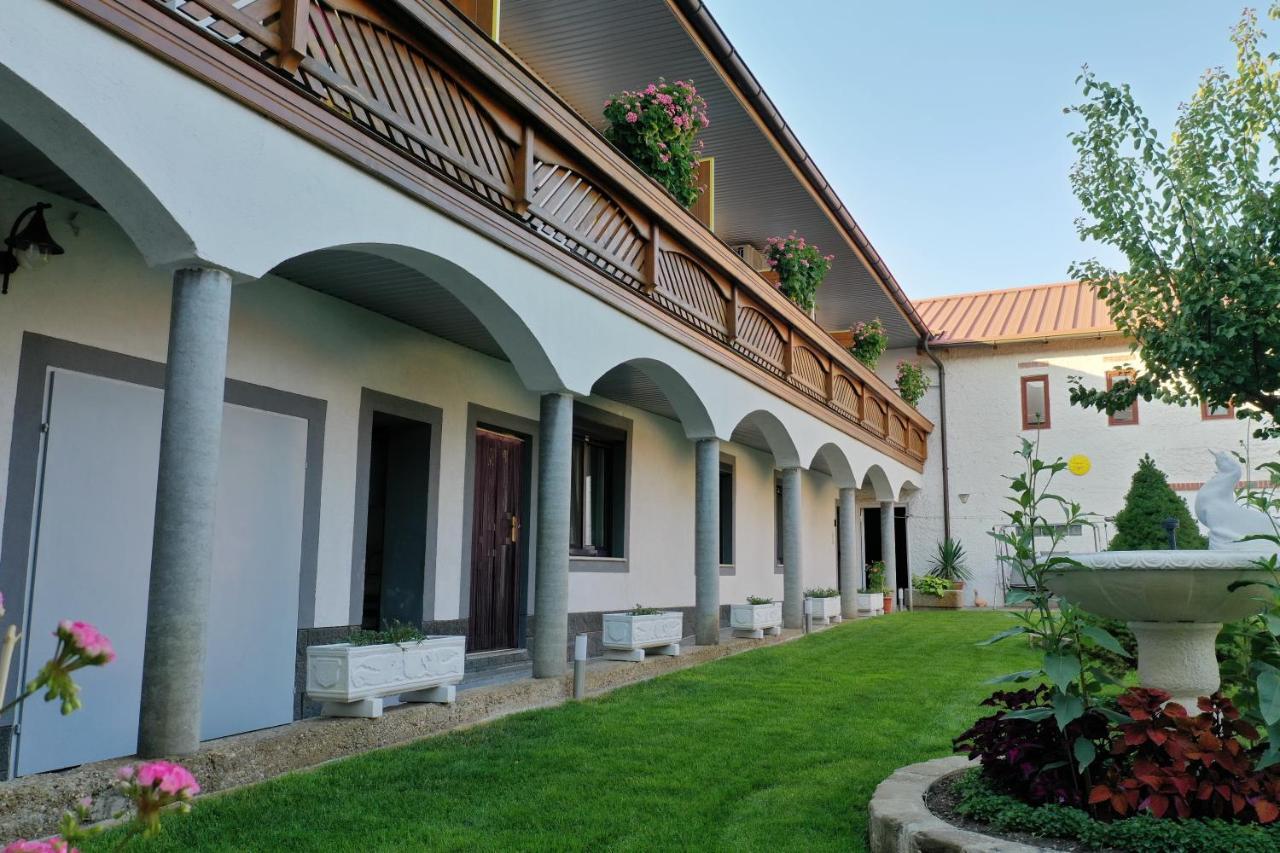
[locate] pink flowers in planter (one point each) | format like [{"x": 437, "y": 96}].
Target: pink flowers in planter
[
  {"x": 657, "y": 128},
  {"x": 801, "y": 267}
]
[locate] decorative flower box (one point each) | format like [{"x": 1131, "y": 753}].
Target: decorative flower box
[
  {"x": 352, "y": 681},
  {"x": 825, "y": 609},
  {"x": 952, "y": 599},
  {"x": 753, "y": 621},
  {"x": 626, "y": 637},
  {"x": 870, "y": 602}
]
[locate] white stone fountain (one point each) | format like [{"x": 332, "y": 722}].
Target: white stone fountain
[{"x": 1176, "y": 601}]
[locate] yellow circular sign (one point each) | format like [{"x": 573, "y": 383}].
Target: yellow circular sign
[{"x": 1079, "y": 464}]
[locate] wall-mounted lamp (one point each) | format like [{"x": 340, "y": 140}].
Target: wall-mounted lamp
[
  {"x": 964, "y": 497},
  {"x": 28, "y": 245}
]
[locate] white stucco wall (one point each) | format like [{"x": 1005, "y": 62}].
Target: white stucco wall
[{"x": 984, "y": 423}]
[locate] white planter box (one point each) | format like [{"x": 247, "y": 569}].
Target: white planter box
[
  {"x": 870, "y": 602},
  {"x": 352, "y": 681},
  {"x": 753, "y": 621},
  {"x": 826, "y": 610},
  {"x": 625, "y": 637}
]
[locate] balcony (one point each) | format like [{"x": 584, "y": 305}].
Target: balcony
[{"x": 414, "y": 93}]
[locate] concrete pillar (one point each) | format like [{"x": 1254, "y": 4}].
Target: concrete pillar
[
  {"x": 848, "y": 568},
  {"x": 706, "y": 547},
  {"x": 186, "y": 499},
  {"x": 889, "y": 545},
  {"x": 792, "y": 553},
  {"x": 551, "y": 572}
]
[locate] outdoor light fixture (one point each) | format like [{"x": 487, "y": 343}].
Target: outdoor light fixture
[{"x": 28, "y": 245}]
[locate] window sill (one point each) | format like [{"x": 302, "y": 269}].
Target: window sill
[
  {"x": 779, "y": 569},
  {"x": 598, "y": 564},
  {"x": 727, "y": 570}
]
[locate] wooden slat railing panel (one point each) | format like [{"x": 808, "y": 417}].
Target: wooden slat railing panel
[
  {"x": 808, "y": 372},
  {"x": 689, "y": 291}
]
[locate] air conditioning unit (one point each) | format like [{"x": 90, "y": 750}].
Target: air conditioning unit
[{"x": 753, "y": 256}]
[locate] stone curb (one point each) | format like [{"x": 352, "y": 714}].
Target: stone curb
[
  {"x": 902, "y": 823},
  {"x": 32, "y": 806}
]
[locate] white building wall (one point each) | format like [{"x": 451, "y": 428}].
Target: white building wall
[{"x": 984, "y": 423}]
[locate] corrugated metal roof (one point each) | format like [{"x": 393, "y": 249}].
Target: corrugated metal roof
[{"x": 1019, "y": 313}]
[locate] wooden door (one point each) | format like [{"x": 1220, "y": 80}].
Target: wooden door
[{"x": 495, "y": 541}]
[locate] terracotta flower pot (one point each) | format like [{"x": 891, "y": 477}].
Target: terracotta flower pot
[
  {"x": 888, "y": 602},
  {"x": 957, "y": 584}
]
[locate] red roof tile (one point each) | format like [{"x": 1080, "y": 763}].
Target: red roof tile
[{"x": 1019, "y": 313}]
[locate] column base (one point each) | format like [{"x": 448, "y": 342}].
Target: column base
[{"x": 1180, "y": 658}]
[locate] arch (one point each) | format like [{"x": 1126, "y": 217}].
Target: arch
[
  {"x": 877, "y": 480},
  {"x": 775, "y": 434},
  {"x": 686, "y": 402},
  {"x": 512, "y": 335},
  {"x": 831, "y": 459},
  {"x": 92, "y": 164},
  {"x": 908, "y": 490}
]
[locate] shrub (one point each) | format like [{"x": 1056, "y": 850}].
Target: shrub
[
  {"x": 821, "y": 592},
  {"x": 981, "y": 801},
  {"x": 657, "y": 128},
  {"x": 875, "y": 577},
  {"x": 930, "y": 585},
  {"x": 912, "y": 382},
  {"x": 758, "y": 599},
  {"x": 641, "y": 610},
  {"x": 394, "y": 632},
  {"x": 869, "y": 341},
  {"x": 1140, "y": 525},
  {"x": 949, "y": 563},
  {"x": 801, "y": 267}
]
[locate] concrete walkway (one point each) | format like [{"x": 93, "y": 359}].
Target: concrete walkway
[{"x": 31, "y": 807}]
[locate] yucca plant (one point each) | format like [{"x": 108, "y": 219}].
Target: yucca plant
[{"x": 949, "y": 563}]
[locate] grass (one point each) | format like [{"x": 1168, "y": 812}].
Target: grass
[{"x": 777, "y": 749}]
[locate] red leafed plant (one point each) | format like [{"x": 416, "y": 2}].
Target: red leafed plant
[{"x": 1170, "y": 763}]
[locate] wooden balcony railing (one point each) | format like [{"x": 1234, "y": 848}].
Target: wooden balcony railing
[{"x": 414, "y": 76}]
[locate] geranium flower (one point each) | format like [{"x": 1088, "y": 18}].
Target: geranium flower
[
  {"x": 79, "y": 645},
  {"x": 155, "y": 786},
  {"x": 632, "y": 118}
]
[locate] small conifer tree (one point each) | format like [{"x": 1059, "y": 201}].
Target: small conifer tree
[{"x": 1140, "y": 525}]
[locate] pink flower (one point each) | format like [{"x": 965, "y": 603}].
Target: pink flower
[
  {"x": 172, "y": 779},
  {"x": 650, "y": 89},
  {"x": 632, "y": 118},
  {"x": 773, "y": 262},
  {"x": 679, "y": 121},
  {"x": 663, "y": 99},
  {"x": 53, "y": 845},
  {"x": 87, "y": 641}
]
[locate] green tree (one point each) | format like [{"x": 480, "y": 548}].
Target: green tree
[
  {"x": 1140, "y": 525},
  {"x": 1198, "y": 222}
]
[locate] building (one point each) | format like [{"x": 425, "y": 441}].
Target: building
[
  {"x": 360, "y": 318},
  {"x": 1009, "y": 356}
]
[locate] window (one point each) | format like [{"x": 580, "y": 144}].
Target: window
[
  {"x": 705, "y": 207},
  {"x": 597, "y": 490},
  {"x": 482, "y": 13},
  {"x": 1035, "y": 402},
  {"x": 777, "y": 522},
  {"x": 1125, "y": 416},
  {"x": 726, "y": 513},
  {"x": 1216, "y": 413}
]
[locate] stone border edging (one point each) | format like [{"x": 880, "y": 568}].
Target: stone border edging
[
  {"x": 30, "y": 807},
  {"x": 902, "y": 823}
]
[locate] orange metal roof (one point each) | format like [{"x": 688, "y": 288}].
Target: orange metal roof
[{"x": 1018, "y": 313}]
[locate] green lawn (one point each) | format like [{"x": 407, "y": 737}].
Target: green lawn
[{"x": 775, "y": 749}]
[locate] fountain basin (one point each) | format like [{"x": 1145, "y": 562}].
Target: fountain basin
[
  {"x": 1163, "y": 586},
  {"x": 1175, "y": 603}
]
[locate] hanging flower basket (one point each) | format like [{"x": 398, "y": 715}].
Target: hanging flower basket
[
  {"x": 868, "y": 342},
  {"x": 657, "y": 128},
  {"x": 800, "y": 266},
  {"x": 912, "y": 382}
]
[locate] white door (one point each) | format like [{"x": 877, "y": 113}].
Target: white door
[{"x": 92, "y": 558}]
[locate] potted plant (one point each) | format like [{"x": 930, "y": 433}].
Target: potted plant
[
  {"x": 930, "y": 591},
  {"x": 800, "y": 266},
  {"x": 868, "y": 342},
  {"x": 950, "y": 563},
  {"x": 824, "y": 604},
  {"x": 871, "y": 596},
  {"x": 351, "y": 679},
  {"x": 657, "y": 128},
  {"x": 627, "y": 635},
  {"x": 912, "y": 382},
  {"x": 759, "y": 616}
]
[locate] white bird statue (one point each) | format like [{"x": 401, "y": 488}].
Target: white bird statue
[{"x": 1228, "y": 520}]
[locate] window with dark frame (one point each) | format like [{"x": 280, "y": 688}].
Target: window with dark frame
[
  {"x": 1217, "y": 413},
  {"x": 1035, "y": 401},
  {"x": 597, "y": 490},
  {"x": 726, "y": 514},
  {"x": 1124, "y": 417}
]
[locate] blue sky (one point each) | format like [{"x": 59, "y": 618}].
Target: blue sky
[{"x": 940, "y": 123}]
